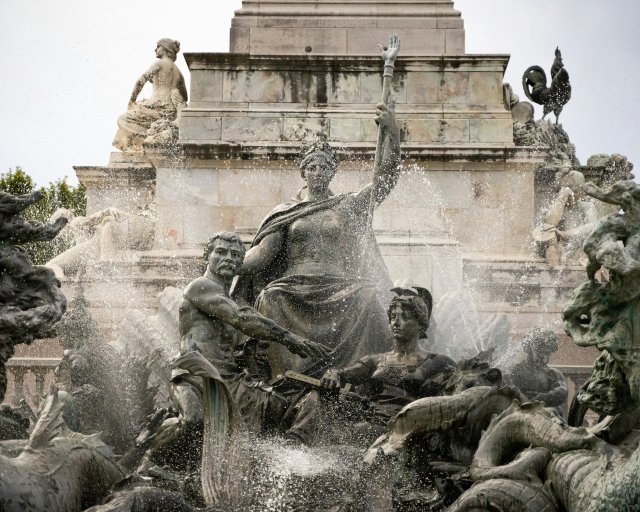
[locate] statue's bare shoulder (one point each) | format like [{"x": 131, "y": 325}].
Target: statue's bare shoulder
[
  {"x": 203, "y": 288},
  {"x": 153, "y": 70}
]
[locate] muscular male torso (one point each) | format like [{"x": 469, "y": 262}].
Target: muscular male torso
[
  {"x": 532, "y": 381},
  {"x": 215, "y": 339}
]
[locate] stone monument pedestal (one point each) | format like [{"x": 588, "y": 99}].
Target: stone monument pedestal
[
  {"x": 460, "y": 216},
  {"x": 464, "y": 208},
  {"x": 126, "y": 183}
]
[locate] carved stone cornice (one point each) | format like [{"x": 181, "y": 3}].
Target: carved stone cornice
[
  {"x": 100, "y": 175},
  {"x": 406, "y": 61},
  {"x": 453, "y": 157}
]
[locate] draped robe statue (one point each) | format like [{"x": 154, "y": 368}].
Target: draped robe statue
[{"x": 314, "y": 266}]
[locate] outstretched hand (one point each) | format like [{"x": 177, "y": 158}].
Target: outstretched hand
[
  {"x": 306, "y": 348},
  {"x": 390, "y": 53}
]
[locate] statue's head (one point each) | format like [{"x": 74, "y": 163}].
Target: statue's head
[
  {"x": 410, "y": 313},
  {"x": 168, "y": 47},
  {"x": 320, "y": 160},
  {"x": 574, "y": 180},
  {"x": 224, "y": 254},
  {"x": 539, "y": 344}
]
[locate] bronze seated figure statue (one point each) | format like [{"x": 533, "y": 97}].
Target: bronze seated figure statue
[{"x": 386, "y": 382}]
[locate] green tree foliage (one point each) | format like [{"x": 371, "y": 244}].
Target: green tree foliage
[
  {"x": 58, "y": 194},
  {"x": 16, "y": 182}
]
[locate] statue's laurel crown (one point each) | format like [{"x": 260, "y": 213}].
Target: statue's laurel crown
[{"x": 307, "y": 151}]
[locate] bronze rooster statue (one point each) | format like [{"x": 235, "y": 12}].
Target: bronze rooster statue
[{"x": 554, "y": 97}]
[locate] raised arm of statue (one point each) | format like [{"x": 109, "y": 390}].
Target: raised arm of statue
[
  {"x": 390, "y": 157},
  {"x": 390, "y": 53},
  {"x": 206, "y": 296},
  {"x": 386, "y": 176},
  {"x": 387, "y": 159}
]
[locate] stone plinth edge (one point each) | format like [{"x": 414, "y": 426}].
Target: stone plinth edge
[
  {"x": 128, "y": 188},
  {"x": 212, "y": 60},
  {"x": 127, "y": 159},
  {"x": 91, "y": 174},
  {"x": 459, "y": 156}
]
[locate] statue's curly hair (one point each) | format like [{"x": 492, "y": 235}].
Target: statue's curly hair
[
  {"x": 319, "y": 148},
  {"x": 417, "y": 301},
  {"x": 170, "y": 45},
  {"x": 228, "y": 236},
  {"x": 540, "y": 339}
]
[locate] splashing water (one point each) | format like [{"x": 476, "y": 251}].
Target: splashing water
[{"x": 294, "y": 477}]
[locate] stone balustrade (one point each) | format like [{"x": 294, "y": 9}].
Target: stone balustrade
[{"x": 26, "y": 371}]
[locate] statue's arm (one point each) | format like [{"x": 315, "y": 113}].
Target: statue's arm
[
  {"x": 182, "y": 88},
  {"x": 580, "y": 231},
  {"x": 558, "y": 394},
  {"x": 386, "y": 177},
  {"x": 433, "y": 366},
  {"x": 96, "y": 218},
  {"x": 147, "y": 76},
  {"x": 209, "y": 298},
  {"x": 590, "y": 218},
  {"x": 360, "y": 371},
  {"x": 426, "y": 380},
  {"x": 357, "y": 372},
  {"x": 263, "y": 254}
]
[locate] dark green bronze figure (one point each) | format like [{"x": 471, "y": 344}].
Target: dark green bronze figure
[
  {"x": 389, "y": 380},
  {"x": 212, "y": 323},
  {"x": 556, "y": 95},
  {"x": 533, "y": 376}
]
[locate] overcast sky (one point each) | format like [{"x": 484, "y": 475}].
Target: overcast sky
[{"x": 69, "y": 67}]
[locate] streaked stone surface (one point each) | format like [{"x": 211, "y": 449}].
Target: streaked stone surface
[
  {"x": 250, "y": 110},
  {"x": 292, "y": 27}
]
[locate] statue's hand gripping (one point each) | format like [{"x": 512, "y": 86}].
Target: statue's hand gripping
[{"x": 305, "y": 348}]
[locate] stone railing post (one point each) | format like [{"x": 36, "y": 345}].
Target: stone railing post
[
  {"x": 18, "y": 383},
  {"x": 40, "y": 374}
]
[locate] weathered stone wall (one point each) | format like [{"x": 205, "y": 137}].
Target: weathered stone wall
[
  {"x": 127, "y": 183},
  {"x": 248, "y": 115},
  {"x": 240, "y": 99},
  {"x": 293, "y": 27},
  {"x": 465, "y": 205}
]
